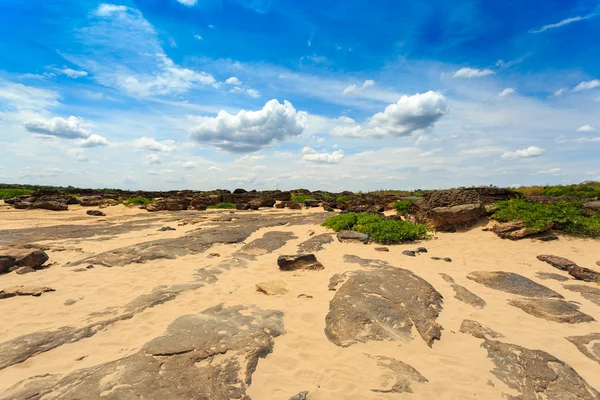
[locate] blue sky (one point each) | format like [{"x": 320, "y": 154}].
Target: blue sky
[{"x": 203, "y": 94}]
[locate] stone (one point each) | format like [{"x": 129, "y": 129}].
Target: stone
[
  {"x": 517, "y": 230},
  {"x": 306, "y": 296},
  {"x": 447, "y": 259},
  {"x": 584, "y": 274},
  {"x": 598, "y": 263},
  {"x": 270, "y": 242},
  {"x": 536, "y": 374},
  {"x": 90, "y": 201},
  {"x": 312, "y": 203},
  {"x": 421, "y": 250},
  {"x": 166, "y": 228},
  {"x": 564, "y": 264},
  {"x": 466, "y": 296},
  {"x": 214, "y": 255},
  {"x": 299, "y": 262},
  {"x": 592, "y": 205},
  {"x": 365, "y": 262},
  {"x": 512, "y": 283},
  {"x": 589, "y": 345},
  {"x": 280, "y": 205},
  {"x": 456, "y": 217},
  {"x": 95, "y": 213},
  {"x": 24, "y": 270},
  {"x": 588, "y": 292},
  {"x": 170, "y": 204},
  {"x": 272, "y": 288},
  {"x": 70, "y": 302},
  {"x": 436, "y": 258},
  {"x": 552, "y": 310},
  {"x": 409, "y": 253},
  {"x": 383, "y": 304},
  {"x": 6, "y": 263},
  {"x": 477, "y": 330},
  {"x": 293, "y": 205},
  {"x": 315, "y": 243},
  {"x": 404, "y": 376},
  {"x": 548, "y": 275},
  {"x": 35, "y": 291},
  {"x": 300, "y": 396},
  {"x": 384, "y": 249},
  {"x": 210, "y": 355},
  {"x": 546, "y": 237},
  {"x": 328, "y": 209},
  {"x": 28, "y": 258},
  {"x": 335, "y": 280},
  {"x": 352, "y": 236}
]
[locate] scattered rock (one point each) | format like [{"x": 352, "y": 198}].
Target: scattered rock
[
  {"x": 315, "y": 243},
  {"x": 95, "y": 213},
  {"x": 28, "y": 258},
  {"x": 166, "y": 228},
  {"x": 312, "y": 203},
  {"x": 475, "y": 329},
  {"x": 351, "y": 236},
  {"x": 214, "y": 255},
  {"x": 589, "y": 345},
  {"x": 70, "y": 302},
  {"x": 6, "y": 263},
  {"x": 466, "y": 296},
  {"x": 548, "y": 275},
  {"x": 512, "y": 283},
  {"x": 293, "y": 205},
  {"x": 300, "y": 396},
  {"x": 577, "y": 272},
  {"x": 272, "y": 288},
  {"x": 552, "y": 310},
  {"x": 280, "y": 205},
  {"x": 24, "y": 291},
  {"x": 589, "y": 293},
  {"x": 299, "y": 262},
  {"x": 517, "y": 230},
  {"x": 384, "y": 249},
  {"x": 365, "y": 262},
  {"x": 306, "y": 296},
  {"x": 436, "y": 258},
  {"x": 404, "y": 375},
  {"x": 564, "y": 264},
  {"x": 24, "y": 270},
  {"x": 383, "y": 304},
  {"x": 421, "y": 250},
  {"x": 447, "y": 259},
  {"x": 409, "y": 253},
  {"x": 546, "y": 237},
  {"x": 584, "y": 274},
  {"x": 328, "y": 209}
]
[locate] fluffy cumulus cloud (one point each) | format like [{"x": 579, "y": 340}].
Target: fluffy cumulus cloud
[
  {"x": 472, "y": 73},
  {"x": 151, "y": 144},
  {"x": 72, "y": 73},
  {"x": 586, "y": 128},
  {"x": 233, "y": 81},
  {"x": 69, "y": 128},
  {"x": 153, "y": 159},
  {"x": 409, "y": 114},
  {"x": 93, "y": 141},
  {"x": 249, "y": 131},
  {"x": 531, "y": 151},
  {"x": 507, "y": 92},
  {"x": 587, "y": 85},
  {"x": 313, "y": 157},
  {"x": 355, "y": 89}
]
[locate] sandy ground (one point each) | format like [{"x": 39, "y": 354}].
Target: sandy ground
[{"x": 456, "y": 367}]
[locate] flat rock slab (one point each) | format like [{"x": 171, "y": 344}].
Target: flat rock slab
[
  {"x": 300, "y": 396},
  {"x": 365, "y": 262},
  {"x": 536, "y": 374},
  {"x": 383, "y": 304},
  {"x": 589, "y": 345},
  {"x": 552, "y": 310},
  {"x": 210, "y": 355},
  {"x": 550, "y": 275},
  {"x": 352, "y": 236},
  {"x": 24, "y": 291},
  {"x": 270, "y": 242},
  {"x": 404, "y": 376},
  {"x": 272, "y": 288},
  {"x": 477, "y": 330},
  {"x": 466, "y": 296},
  {"x": 512, "y": 283},
  {"x": 564, "y": 264},
  {"x": 588, "y": 292},
  {"x": 299, "y": 262},
  {"x": 315, "y": 243}
]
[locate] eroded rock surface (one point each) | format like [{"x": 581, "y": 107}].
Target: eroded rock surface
[
  {"x": 365, "y": 262},
  {"x": 352, "y": 236},
  {"x": 403, "y": 375},
  {"x": 550, "y": 275},
  {"x": 210, "y": 355},
  {"x": 577, "y": 272},
  {"x": 315, "y": 243},
  {"x": 512, "y": 283},
  {"x": 463, "y": 294},
  {"x": 564, "y": 264},
  {"x": 35, "y": 291},
  {"x": 589, "y": 345},
  {"x": 588, "y": 292},
  {"x": 272, "y": 288},
  {"x": 517, "y": 230},
  {"x": 296, "y": 262},
  {"x": 552, "y": 309},
  {"x": 383, "y": 304},
  {"x": 270, "y": 242},
  {"x": 477, "y": 330}
]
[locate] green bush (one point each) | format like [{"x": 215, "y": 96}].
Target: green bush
[
  {"x": 138, "y": 201},
  {"x": 301, "y": 198},
  {"x": 10, "y": 193},
  {"x": 382, "y": 231},
  {"x": 567, "y": 216},
  {"x": 402, "y": 206},
  {"x": 223, "y": 206},
  {"x": 343, "y": 199},
  {"x": 326, "y": 196}
]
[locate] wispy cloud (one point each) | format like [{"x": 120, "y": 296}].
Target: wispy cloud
[
  {"x": 564, "y": 22},
  {"x": 472, "y": 73}
]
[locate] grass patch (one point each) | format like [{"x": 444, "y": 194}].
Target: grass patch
[
  {"x": 10, "y": 193},
  {"x": 223, "y": 206},
  {"x": 301, "y": 198},
  {"x": 584, "y": 190},
  {"x": 382, "y": 231},
  {"x": 402, "y": 206},
  {"x": 326, "y": 196},
  {"x": 567, "y": 216},
  {"x": 343, "y": 199},
  {"x": 138, "y": 201}
]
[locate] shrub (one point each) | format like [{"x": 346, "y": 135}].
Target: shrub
[
  {"x": 382, "y": 231},
  {"x": 223, "y": 206},
  {"x": 138, "y": 201},
  {"x": 402, "y": 206},
  {"x": 567, "y": 215},
  {"x": 10, "y": 193},
  {"x": 326, "y": 196},
  {"x": 343, "y": 199},
  {"x": 585, "y": 190},
  {"x": 301, "y": 198}
]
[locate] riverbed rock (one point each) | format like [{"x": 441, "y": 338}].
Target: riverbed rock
[
  {"x": 315, "y": 243},
  {"x": 552, "y": 310},
  {"x": 352, "y": 236},
  {"x": 383, "y": 304},
  {"x": 564, "y": 264},
  {"x": 272, "y": 288},
  {"x": 477, "y": 330},
  {"x": 404, "y": 376},
  {"x": 517, "y": 230},
  {"x": 549, "y": 275},
  {"x": 588, "y": 292},
  {"x": 589, "y": 345},
  {"x": 23, "y": 290},
  {"x": 95, "y": 213},
  {"x": 512, "y": 283},
  {"x": 6, "y": 263},
  {"x": 307, "y": 262},
  {"x": 90, "y": 201}
]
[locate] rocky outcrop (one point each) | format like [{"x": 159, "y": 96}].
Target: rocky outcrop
[
  {"x": 299, "y": 262},
  {"x": 588, "y": 292},
  {"x": 210, "y": 355},
  {"x": 477, "y": 330},
  {"x": 589, "y": 345},
  {"x": 35, "y": 291},
  {"x": 352, "y": 236},
  {"x": 270, "y": 242},
  {"x": 564, "y": 264},
  {"x": 404, "y": 376},
  {"x": 272, "y": 288},
  {"x": 383, "y": 304},
  {"x": 512, "y": 283},
  {"x": 14, "y": 258},
  {"x": 490, "y": 194},
  {"x": 552, "y": 310},
  {"x": 463, "y": 294},
  {"x": 577, "y": 272},
  {"x": 53, "y": 205},
  {"x": 91, "y": 201},
  {"x": 548, "y": 275},
  {"x": 315, "y": 243},
  {"x": 171, "y": 204},
  {"x": 517, "y": 230}
]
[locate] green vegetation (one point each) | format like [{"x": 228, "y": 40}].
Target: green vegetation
[
  {"x": 326, "y": 196},
  {"x": 567, "y": 216},
  {"x": 382, "y": 231},
  {"x": 586, "y": 190},
  {"x": 301, "y": 198},
  {"x": 343, "y": 199},
  {"x": 402, "y": 206},
  {"x": 223, "y": 206},
  {"x": 10, "y": 193},
  {"x": 138, "y": 201}
]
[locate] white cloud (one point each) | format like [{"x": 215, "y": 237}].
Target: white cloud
[
  {"x": 560, "y": 91},
  {"x": 22, "y": 97},
  {"x": 311, "y": 156},
  {"x": 586, "y": 128},
  {"x": 586, "y": 85},
  {"x": 482, "y": 151},
  {"x": 472, "y": 73},
  {"x": 507, "y": 92},
  {"x": 128, "y": 179},
  {"x": 105, "y": 10},
  {"x": 249, "y": 131},
  {"x": 93, "y": 141},
  {"x": 233, "y": 81},
  {"x": 216, "y": 169},
  {"x": 188, "y": 3},
  {"x": 153, "y": 159},
  {"x": 151, "y": 144},
  {"x": 552, "y": 171},
  {"x": 250, "y": 158},
  {"x": 587, "y": 139},
  {"x": 198, "y": 37},
  {"x": 354, "y": 89},
  {"x": 188, "y": 165},
  {"x": 253, "y": 93},
  {"x": 532, "y": 151},
  {"x": 564, "y": 22},
  {"x": 77, "y": 154},
  {"x": 408, "y": 115},
  {"x": 259, "y": 168},
  {"x": 59, "y": 127},
  {"x": 71, "y": 73}
]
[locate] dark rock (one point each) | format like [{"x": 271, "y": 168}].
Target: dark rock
[
  {"x": 421, "y": 250},
  {"x": 409, "y": 253},
  {"x": 280, "y": 205},
  {"x": 90, "y": 201},
  {"x": 335, "y": 280},
  {"x": 574, "y": 270},
  {"x": 262, "y": 202},
  {"x": 29, "y": 258},
  {"x": 490, "y": 194},
  {"x": 384, "y": 249},
  {"x": 328, "y": 209},
  {"x": 306, "y": 296},
  {"x": 35, "y": 291},
  {"x": 166, "y": 228},
  {"x": 24, "y": 270},
  {"x": 517, "y": 230},
  {"x": 436, "y": 258},
  {"x": 466, "y": 296},
  {"x": 315, "y": 243},
  {"x": 6, "y": 263},
  {"x": 383, "y": 304},
  {"x": 312, "y": 203},
  {"x": 546, "y": 237},
  {"x": 404, "y": 375},
  {"x": 171, "y": 204},
  {"x": 240, "y": 191},
  {"x": 95, "y": 213},
  {"x": 299, "y": 262},
  {"x": 512, "y": 283},
  {"x": 352, "y": 236},
  {"x": 552, "y": 310},
  {"x": 547, "y": 275},
  {"x": 300, "y": 396},
  {"x": 588, "y": 292},
  {"x": 364, "y": 262},
  {"x": 293, "y": 205},
  {"x": 70, "y": 302},
  {"x": 589, "y": 345},
  {"x": 475, "y": 329},
  {"x": 270, "y": 242},
  {"x": 584, "y": 274},
  {"x": 561, "y": 263},
  {"x": 211, "y": 355},
  {"x": 447, "y": 259}
]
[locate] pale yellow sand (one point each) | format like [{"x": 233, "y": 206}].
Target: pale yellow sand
[{"x": 303, "y": 358}]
